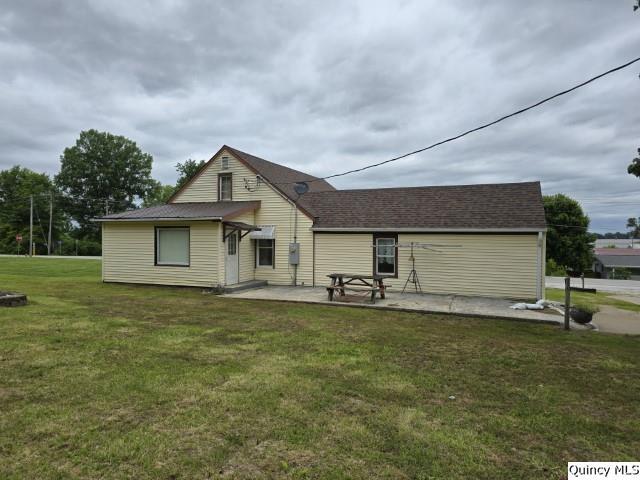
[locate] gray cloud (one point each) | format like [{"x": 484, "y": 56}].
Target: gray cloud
[{"x": 325, "y": 87}]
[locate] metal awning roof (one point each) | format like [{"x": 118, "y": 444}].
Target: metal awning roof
[
  {"x": 266, "y": 232},
  {"x": 216, "y": 211},
  {"x": 228, "y": 228}
]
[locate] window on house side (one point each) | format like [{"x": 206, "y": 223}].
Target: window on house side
[
  {"x": 225, "y": 185},
  {"x": 231, "y": 244},
  {"x": 225, "y": 163},
  {"x": 172, "y": 246},
  {"x": 386, "y": 256},
  {"x": 264, "y": 253}
]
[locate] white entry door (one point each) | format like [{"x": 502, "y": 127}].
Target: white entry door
[{"x": 231, "y": 259}]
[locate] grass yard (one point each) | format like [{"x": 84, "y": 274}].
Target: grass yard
[
  {"x": 591, "y": 299},
  {"x": 115, "y": 381}
]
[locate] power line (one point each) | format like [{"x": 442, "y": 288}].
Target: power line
[{"x": 476, "y": 129}]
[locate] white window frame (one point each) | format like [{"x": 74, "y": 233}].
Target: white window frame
[
  {"x": 224, "y": 164},
  {"x": 393, "y": 256},
  {"x": 221, "y": 178},
  {"x": 273, "y": 252},
  {"x": 220, "y": 190},
  {"x": 157, "y": 253}
]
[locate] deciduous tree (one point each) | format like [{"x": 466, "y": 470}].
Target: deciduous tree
[
  {"x": 158, "y": 195},
  {"x": 633, "y": 226},
  {"x": 634, "y": 167},
  {"x": 569, "y": 243},
  {"x": 187, "y": 170},
  {"x": 103, "y": 172},
  {"x": 16, "y": 186}
]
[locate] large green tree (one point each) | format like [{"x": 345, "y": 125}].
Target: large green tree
[
  {"x": 16, "y": 186},
  {"x": 634, "y": 167},
  {"x": 187, "y": 170},
  {"x": 569, "y": 243},
  {"x": 102, "y": 173},
  {"x": 633, "y": 224},
  {"x": 158, "y": 195}
]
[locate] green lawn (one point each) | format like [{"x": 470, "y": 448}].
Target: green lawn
[
  {"x": 591, "y": 299},
  {"x": 116, "y": 381}
]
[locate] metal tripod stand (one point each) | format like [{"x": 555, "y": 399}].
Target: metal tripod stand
[{"x": 413, "y": 275}]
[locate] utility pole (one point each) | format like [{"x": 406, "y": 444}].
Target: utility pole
[
  {"x": 106, "y": 207},
  {"x": 49, "y": 249},
  {"x": 30, "y": 225}
]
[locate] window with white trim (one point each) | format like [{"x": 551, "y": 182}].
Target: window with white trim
[
  {"x": 265, "y": 250},
  {"x": 386, "y": 256},
  {"x": 225, "y": 163},
  {"x": 172, "y": 246},
  {"x": 225, "y": 185}
]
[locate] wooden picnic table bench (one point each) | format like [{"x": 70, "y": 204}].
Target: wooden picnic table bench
[{"x": 357, "y": 282}]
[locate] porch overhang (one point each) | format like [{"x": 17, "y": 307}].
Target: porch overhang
[
  {"x": 228, "y": 228},
  {"x": 188, "y": 211}
]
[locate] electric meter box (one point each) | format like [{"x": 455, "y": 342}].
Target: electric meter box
[{"x": 294, "y": 253}]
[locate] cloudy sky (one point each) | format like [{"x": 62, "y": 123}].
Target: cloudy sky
[{"x": 329, "y": 86}]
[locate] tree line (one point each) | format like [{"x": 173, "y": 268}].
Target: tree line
[
  {"x": 102, "y": 173},
  {"x": 105, "y": 173}
]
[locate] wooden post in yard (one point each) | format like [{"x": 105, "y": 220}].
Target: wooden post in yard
[{"x": 567, "y": 301}]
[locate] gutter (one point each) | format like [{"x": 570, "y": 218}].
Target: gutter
[
  {"x": 157, "y": 219},
  {"x": 429, "y": 230}
]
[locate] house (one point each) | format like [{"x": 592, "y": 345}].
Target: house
[
  {"x": 617, "y": 263},
  {"x": 240, "y": 219},
  {"x": 617, "y": 243}
]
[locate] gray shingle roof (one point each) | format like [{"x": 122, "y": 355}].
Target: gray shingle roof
[
  {"x": 186, "y": 211},
  {"x": 505, "y": 206},
  {"x": 282, "y": 177},
  {"x": 618, "y": 257}
]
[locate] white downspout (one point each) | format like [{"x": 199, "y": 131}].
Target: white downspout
[{"x": 540, "y": 266}]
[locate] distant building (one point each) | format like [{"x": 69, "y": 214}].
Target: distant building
[
  {"x": 617, "y": 243},
  {"x": 609, "y": 260}
]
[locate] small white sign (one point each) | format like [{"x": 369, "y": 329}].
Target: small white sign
[{"x": 603, "y": 470}]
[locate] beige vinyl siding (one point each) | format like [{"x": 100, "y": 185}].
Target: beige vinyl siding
[
  {"x": 203, "y": 189},
  {"x": 129, "y": 254},
  {"x": 482, "y": 265},
  {"x": 342, "y": 253},
  {"x": 274, "y": 210}
]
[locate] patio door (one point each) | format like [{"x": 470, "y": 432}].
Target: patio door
[{"x": 231, "y": 261}]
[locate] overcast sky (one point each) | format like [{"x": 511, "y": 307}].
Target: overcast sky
[{"x": 329, "y": 86}]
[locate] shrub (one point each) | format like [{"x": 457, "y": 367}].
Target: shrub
[
  {"x": 620, "y": 273},
  {"x": 586, "y": 307},
  {"x": 555, "y": 270}
]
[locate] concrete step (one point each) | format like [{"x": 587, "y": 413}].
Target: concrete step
[{"x": 238, "y": 287}]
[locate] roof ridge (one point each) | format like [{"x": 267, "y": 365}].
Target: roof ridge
[{"x": 415, "y": 187}]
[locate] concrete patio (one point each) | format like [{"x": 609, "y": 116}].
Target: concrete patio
[{"x": 410, "y": 302}]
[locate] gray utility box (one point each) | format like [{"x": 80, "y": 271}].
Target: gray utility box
[{"x": 294, "y": 253}]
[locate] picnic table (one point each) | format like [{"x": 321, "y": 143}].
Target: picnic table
[{"x": 354, "y": 281}]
